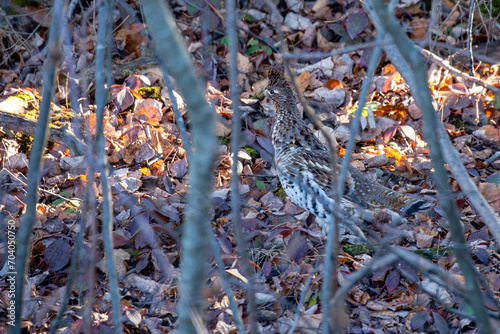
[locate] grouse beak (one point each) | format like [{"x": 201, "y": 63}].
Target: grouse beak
[{"x": 266, "y": 92}]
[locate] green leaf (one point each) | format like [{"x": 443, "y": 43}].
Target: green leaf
[
  {"x": 250, "y": 18},
  {"x": 191, "y": 10},
  {"x": 313, "y": 301},
  {"x": 253, "y": 45},
  {"x": 496, "y": 100},
  {"x": 364, "y": 111},
  {"x": 467, "y": 308},
  {"x": 260, "y": 184},
  {"x": 494, "y": 178},
  {"x": 58, "y": 201},
  {"x": 259, "y": 124},
  {"x": 281, "y": 194},
  {"x": 266, "y": 49},
  {"x": 224, "y": 40},
  {"x": 65, "y": 194},
  {"x": 252, "y": 49},
  {"x": 251, "y": 151}
]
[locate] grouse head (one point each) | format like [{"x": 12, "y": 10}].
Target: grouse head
[{"x": 278, "y": 90}]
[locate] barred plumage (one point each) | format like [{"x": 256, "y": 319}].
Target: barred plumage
[{"x": 304, "y": 165}]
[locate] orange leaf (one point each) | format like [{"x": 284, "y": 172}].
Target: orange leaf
[
  {"x": 332, "y": 84},
  {"x": 391, "y": 83},
  {"x": 136, "y": 94},
  {"x": 390, "y": 152},
  {"x": 41, "y": 209},
  {"x": 91, "y": 123},
  {"x": 340, "y": 151},
  {"x": 145, "y": 171},
  {"x": 388, "y": 69}
]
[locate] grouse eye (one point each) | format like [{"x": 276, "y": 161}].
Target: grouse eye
[{"x": 271, "y": 91}]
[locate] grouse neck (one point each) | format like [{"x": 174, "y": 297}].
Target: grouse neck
[
  {"x": 286, "y": 127},
  {"x": 287, "y": 111}
]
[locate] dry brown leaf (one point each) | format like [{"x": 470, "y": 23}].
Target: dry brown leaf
[
  {"x": 491, "y": 193},
  {"x": 304, "y": 80}
]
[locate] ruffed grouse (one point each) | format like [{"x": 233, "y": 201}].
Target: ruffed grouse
[{"x": 304, "y": 166}]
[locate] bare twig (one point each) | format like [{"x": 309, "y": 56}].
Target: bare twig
[
  {"x": 90, "y": 217},
  {"x": 346, "y": 49},
  {"x": 331, "y": 255},
  {"x": 301, "y": 301},
  {"x": 421, "y": 94},
  {"x": 225, "y": 281},
  {"x": 177, "y": 113},
  {"x": 354, "y": 278},
  {"x": 442, "y": 63},
  {"x": 435, "y": 15},
  {"x": 37, "y": 150},
  {"x": 71, "y": 77},
  {"x": 477, "y": 55},
  {"x": 469, "y": 37},
  {"x": 101, "y": 97},
  {"x": 173, "y": 55},
  {"x": 72, "y": 273},
  {"x": 235, "y": 147},
  {"x": 372, "y": 66}
]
